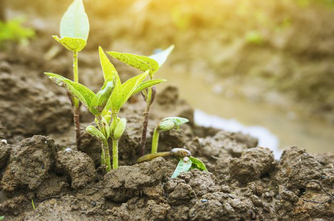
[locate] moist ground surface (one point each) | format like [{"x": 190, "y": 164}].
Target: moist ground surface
[{"x": 244, "y": 181}]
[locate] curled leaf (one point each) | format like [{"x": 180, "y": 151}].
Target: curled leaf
[
  {"x": 120, "y": 128},
  {"x": 94, "y": 132},
  {"x": 197, "y": 164}
]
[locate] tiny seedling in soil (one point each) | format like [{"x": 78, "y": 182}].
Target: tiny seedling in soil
[
  {"x": 74, "y": 30},
  {"x": 165, "y": 125},
  {"x": 106, "y": 104},
  {"x": 144, "y": 63},
  {"x": 188, "y": 163}
]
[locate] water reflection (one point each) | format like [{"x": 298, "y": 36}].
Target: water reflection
[{"x": 266, "y": 138}]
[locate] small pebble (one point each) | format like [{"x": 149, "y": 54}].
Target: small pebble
[
  {"x": 204, "y": 200},
  {"x": 68, "y": 149},
  {"x": 4, "y": 141}
]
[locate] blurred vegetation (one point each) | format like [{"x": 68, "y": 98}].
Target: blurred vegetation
[
  {"x": 14, "y": 31},
  {"x": 287, "y": 44}
]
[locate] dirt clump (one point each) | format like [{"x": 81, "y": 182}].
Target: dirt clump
[
  {"x": 252, "y": 164},
  {"x": 78, "y": 165},
  {"x": 29, "y": 164}
]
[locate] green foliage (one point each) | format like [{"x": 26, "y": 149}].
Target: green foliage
[
  {"x": 101, "y": 98},
  {"x": 182, "y": 167},
  {"x": 186, "y": 164},
  {"x": 197, "y": 164},
  {"x": 74, "y": 27},
  {"x": 13, "y": 30},
  {"x": 147, "y": 84},
  {"x": 123, "y": 92},
  {"x": 162, "y": 56},
  {"x": 94, "y": 132},
  {"x": 144, "y": 63},
  {"x": 74, "y": 22},
  {"x": 109, "y": 71},
  {"x": 84, "y": 94},
  {"x": 254, "y": 37},
  {"x": 169, "y": 123},
  {"x": 120, "y": 128},
  {"x": 140, "y": 62}
]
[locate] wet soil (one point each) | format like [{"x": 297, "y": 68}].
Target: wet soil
[
  {"x": 244, "y": 181},
  {"x": 40, "y": 168}
]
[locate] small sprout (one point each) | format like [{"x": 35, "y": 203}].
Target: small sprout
[
  {"x": 74, "y": 30},
  {"x": 112, "y": 95},
  {"x": 183, "y": 166},
  {"x": 144, "y": 63},
  {"x": 33, "y": 204},
  {"x": 184, "y": 163},
  {"x": 165, "y": 125}
]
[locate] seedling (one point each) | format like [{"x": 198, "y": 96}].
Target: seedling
[
  {"x": 144, "y": 63},
  {"x": 74, "y": 30},
  {"x": 112, "y": 96},
  {"x": 165, "y": 125},
  {"x": 33, "y": 204},
  {"x": 188, "y": 163},
  {"x": 13, "y": 30}
]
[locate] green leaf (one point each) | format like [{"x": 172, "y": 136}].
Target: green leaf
[
  {"x": 182, "y": 167},
  {"x": 72, "y": 44},
  {"x": 147, "y": 84},
  {"x": 166, "y": 123},
  {"x": 74, "y": 22},
  {"x": 94, "y": 132},
  {"x": 101, "y": 98},
  {"x": 2, "y": 217},
  {"x": 124, "y": 91},
  {"x": 109, "y": 71},
  {"x": 120, "y": 128},
  {"x": 140, "y": 62},
  {"x": 197, "y": 164},
  {"x": 84, "y": 94},
  {"x": 161, "y": 57}
]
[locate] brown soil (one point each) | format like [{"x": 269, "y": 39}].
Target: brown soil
[
  {"x": 39, "y": 163},
  {"x": 244, "y": 181}
]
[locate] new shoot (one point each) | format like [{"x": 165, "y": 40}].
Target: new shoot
[
  {"x": 74, "y": 30},
  {"x": 112, "y": 96},
  {"x": 144, "y": 63},
  {"x": 165, "y": 125}
]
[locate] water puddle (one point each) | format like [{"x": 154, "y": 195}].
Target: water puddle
[{"x": 274, "y": 129}]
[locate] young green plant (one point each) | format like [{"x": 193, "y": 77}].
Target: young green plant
[
  {"x": 112, "y": 96},
  {"x": 188, "y": 163},
  {"x": 165, "y": 125},
  {"x": 144, "y": 63},
  {"x": 74, "y": 30}
]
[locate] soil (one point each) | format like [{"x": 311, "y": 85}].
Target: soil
[
  {"x": 244, "y": 181},
  {"x": 39, "y": 166}
]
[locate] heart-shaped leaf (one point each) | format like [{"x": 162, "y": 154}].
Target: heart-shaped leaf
[{"x": 74, "y": 22}]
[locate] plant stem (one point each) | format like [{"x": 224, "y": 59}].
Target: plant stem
[
  {"x": 155, "y": 141},
  {"x": 76, "y": 106},
  {"x": 114, "y": 143},
  {"x": 145, "y": 121}
]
